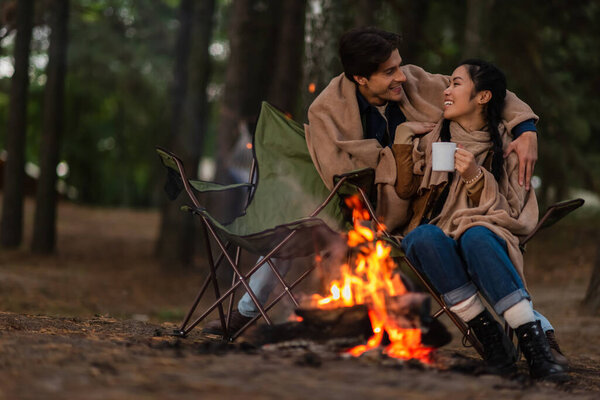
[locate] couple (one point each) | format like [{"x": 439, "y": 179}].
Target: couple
[{"x": 357, "y": 122}]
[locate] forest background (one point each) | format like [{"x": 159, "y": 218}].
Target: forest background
[{"x": 88, "y": 88}]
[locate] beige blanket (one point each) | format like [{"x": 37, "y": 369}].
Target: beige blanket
[
  {"x": 505, "y": 207},
  {"x": 336, "y": 141}
]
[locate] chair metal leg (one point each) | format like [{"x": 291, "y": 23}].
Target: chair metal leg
[
  {"x": 213, "y": 274},
  {"x": 199, "y": 295},
  {"x": 272, "y": 303},
  {"x": 242, "y": 280},
  {"x": 233, "y": 288},
  {"x": 233, "y": 279},
  {"x": 285, "y": 287},
  {"x": 467, "y": 334},
  {"x": 237, "y": 271}
]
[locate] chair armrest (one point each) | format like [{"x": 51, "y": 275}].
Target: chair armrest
[
  {"x": 176, "y": 174},
  {"x": 362, "y": 178},
  {"x": 553, "y": 214},
  {"x": 203, "y": 186}
]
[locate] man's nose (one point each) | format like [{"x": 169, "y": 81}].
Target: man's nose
[{"x": 400, "y": 77}]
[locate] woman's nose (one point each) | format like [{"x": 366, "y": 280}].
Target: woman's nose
[{"x": 447, "y": 90}]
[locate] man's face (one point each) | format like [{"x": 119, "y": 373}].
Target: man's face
[{"x": 385, "y": 84}]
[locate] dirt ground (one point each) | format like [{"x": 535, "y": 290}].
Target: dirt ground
[{"x": 93, "y": 322}]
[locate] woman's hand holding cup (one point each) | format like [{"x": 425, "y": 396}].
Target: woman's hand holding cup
[{"x": 464, "y": 162}]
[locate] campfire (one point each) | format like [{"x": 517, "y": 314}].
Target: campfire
[
  {"x": 368, "y": 308},
  {"x": 369, "y": 280}
]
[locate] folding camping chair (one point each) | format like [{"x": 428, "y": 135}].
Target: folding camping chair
[{"x": 289, "y": 213}]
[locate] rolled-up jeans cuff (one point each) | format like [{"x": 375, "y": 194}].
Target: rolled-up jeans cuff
[
  {"x": 457, "y": 295},
  {"x": 510, "y": 300}
]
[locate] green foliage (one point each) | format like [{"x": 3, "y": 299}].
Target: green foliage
[{"x": 120, "y": 72}]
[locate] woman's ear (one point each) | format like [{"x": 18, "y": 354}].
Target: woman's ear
[{"x": 484, "y": 96}]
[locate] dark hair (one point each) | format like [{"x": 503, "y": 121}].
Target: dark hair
[
  {"x": 362, "y": 50},
  {"x": 486, "y": 76}
]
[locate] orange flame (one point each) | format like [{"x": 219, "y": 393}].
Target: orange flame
[{"x": 371, "y": 282}]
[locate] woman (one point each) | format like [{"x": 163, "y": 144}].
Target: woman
[{"x": 467, "y": 223}]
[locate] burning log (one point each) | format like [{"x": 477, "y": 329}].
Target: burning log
[
  {"x": 319, "y": 325},
  {"x": 408, "y": 311}
]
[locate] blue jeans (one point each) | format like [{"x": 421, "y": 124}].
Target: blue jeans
[
  {"x": 262, "y": 283},
  {"x": 478, "y": 261}
]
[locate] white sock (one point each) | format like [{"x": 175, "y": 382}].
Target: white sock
[
  {"x": 469, "y": 308},
  {"x": 519, "y": 314}
]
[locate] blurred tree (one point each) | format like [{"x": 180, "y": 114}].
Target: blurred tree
[
  {"x": 44, "y": 230},
  {"x": 366, "y": 12},
  {"x": 413, "y": 16},
  {"x": 284, "y": 86},
  {"x": 591, "y": 302},
  {"x": 120, "y": 60},
  {"x": 549, "y": 51},
  {"x": 7, "y": 18},
  {"x": 253, "y": 26},
  {"x": 477, "y": 14},
  {"x": 11, "y": 226},
  {"x": 175, "y": 245},
  {"x": 326, "y": 20}
]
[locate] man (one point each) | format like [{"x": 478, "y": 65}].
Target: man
[{"x": 352, "y": 125}]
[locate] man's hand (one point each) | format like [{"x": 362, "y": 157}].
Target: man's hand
[
  {"x": 406, "y": 131},
  {"x": 526, "y": 148},
  {"x": 419, "y": 128}
]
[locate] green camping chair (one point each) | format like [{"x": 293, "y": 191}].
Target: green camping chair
[{"x": 290, "y": 213}]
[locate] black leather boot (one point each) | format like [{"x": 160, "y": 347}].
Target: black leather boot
[
  {"x": 499, "y": 352},
  {"x": 535, "y": 347}
]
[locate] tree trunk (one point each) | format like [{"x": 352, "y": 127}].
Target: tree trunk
[
  {"x": 477, "y": 15},
  {"x": 250, "y": 66},
  {"x": 11, "y": 226},
  {"x": 413, "y": 17},
  {"x": 365, "y": 13},
  {"x": 285, "y": 85},
  {"x": 176, "y": 242},
  {"x": 591, "y": 302},
  {"x": 44, "y": 229},
  {"x": 326, "y": 21}
]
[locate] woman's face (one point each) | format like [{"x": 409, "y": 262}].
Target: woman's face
[{"x": 460, "y": 101}]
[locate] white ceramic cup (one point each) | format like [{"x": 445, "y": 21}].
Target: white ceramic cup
[{"x": 442, "y": 154}]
